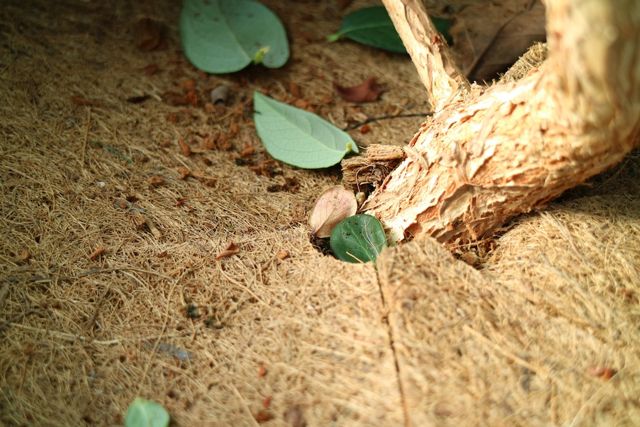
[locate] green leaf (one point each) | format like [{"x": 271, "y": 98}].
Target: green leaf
[
  {"x": 297, "y": 137},
  {"x": 223, "y": 36},
  {"x": 372, "y": 26},
  {"x": 359, "y": 238},
  {"x": 146, "y": 413}
]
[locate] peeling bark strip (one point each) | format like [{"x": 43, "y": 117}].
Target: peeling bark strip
[
  {"x": 488, "y": 156},
  {"x": 429, "y": 52}
]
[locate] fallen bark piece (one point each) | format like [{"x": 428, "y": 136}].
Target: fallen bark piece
[{"x": 372, "y": 166}]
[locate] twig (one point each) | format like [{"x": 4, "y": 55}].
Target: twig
[{"x": 389, "y": 117}]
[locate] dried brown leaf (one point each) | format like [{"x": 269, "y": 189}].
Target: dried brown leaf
[
  {"x": 367, "y": 91},
  {"x": 333, "y": 205}
]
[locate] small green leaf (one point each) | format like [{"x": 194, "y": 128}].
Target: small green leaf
[
  {"x": 297, "y": 137},
  {"x": 223, "y": 36},
  {"x": 359, "y": 238},
  {"x": 146, "y": 413},
  {"x": 372, "y": 26}
]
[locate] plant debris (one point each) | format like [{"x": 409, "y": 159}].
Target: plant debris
[
  {"x": 97, "y": 253},
  {"x": 333, "y": 205},
  {"x": 366, "y": 91},
  {"x": 230, "y": 250},
  {"x": 262, "y": 416}
]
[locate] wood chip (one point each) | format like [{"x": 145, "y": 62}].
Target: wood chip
[{"x": 282, "y": 254}]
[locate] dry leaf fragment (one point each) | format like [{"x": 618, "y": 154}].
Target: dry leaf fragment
[
  {"x": 156, "y": 181},
  {"x": 302, "y": 103},
  {"x": 333, "y": 205},
  {"x": 263, "y": 416},
  {"x": 188, "y": 85},
  {"x": 367, "y": 91},
  {"x": 230, "y": 250},
  {"x": 294, "y": 89},
  {"x": 184, "y": 172},
  {"x": 282, "y": 254},
  {"x": 185, "y": 149},
  {"x": 151, "y": 69},
  {"x": 602, "y": 372},
  {"x": 81, "y": 101},
  {"x": 234, "y": 128},
  {"x": 342, "y": 4},
  {"x": 175, "y": 99},
  {"x": 247, "y": 151},
  {"x": 23, "y": 256},
  {"x": 97, "y": 253},
  {"x": 262, "y": 371},
  {"x": 266, "y": 402}
]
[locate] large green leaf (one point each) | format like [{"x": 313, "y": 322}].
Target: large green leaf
[
  {"x": 359, "y": 238},
  {"x": 297, "y": 137},
  {"x": 146, "y": 413},
  {"x": 373, "y": 26},
  {"x": 223, "y": 36}
]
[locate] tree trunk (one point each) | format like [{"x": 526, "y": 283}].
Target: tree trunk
[{"x": 487, "y": 155}]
